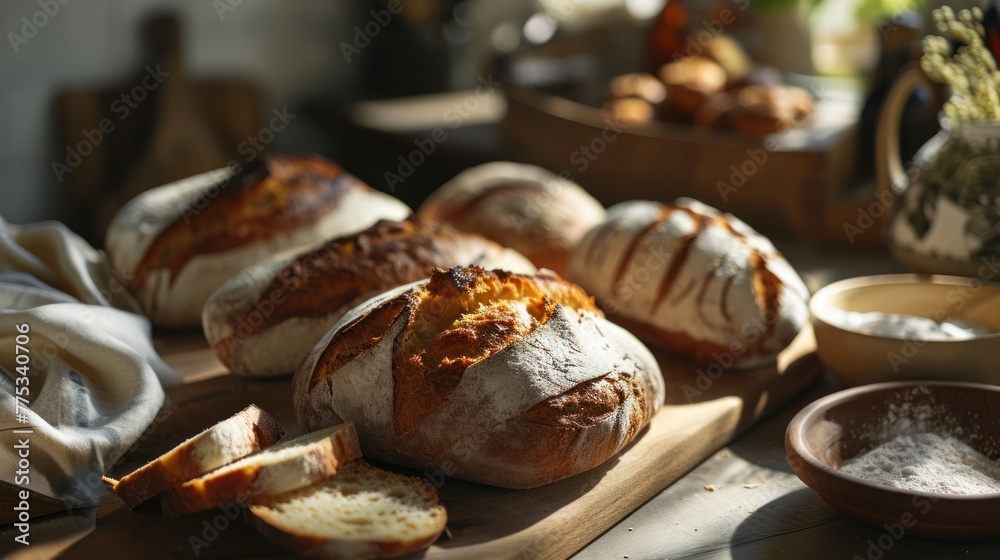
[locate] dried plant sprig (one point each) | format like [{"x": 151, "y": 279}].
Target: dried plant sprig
[{"x": 971, "y": 72}]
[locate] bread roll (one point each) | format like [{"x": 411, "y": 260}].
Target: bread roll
[
  {"x": 524, "y": 207},
  {"x": 691, "y": 81},
  {"x": 177, "y": 243},
  {"x": 264, "y": 320},
  {"x": 499, "y": 378},
  {"x": 770, "y": 109},
  {"x": 689, "y": 279}
]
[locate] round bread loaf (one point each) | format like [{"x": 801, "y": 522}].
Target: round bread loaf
[
  {"x": 524, "y": 207},
  {"x": 264, "y": 320},
  {"x": 691, "y": 81},
  {"x": 769, "y": 109},
  {"x": 692, "y": 280},
  {"x": 177, "y": 243},
  {"x": 499, "y": 378}
]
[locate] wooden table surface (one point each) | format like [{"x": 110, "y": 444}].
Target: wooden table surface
[{"x": 759, "y": 508}]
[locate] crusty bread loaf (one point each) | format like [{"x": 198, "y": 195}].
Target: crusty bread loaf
[
  {"x": 524, "y": 207},
  {"x": 246, "y": 432},
  {"x": 769, "y": 109},
  {"x": 281, "y": 468},
  {"x": 177, "y": 243},
  {"x": 691, "y": 82},
  {"x": 264, "y": 320},
  {"x": 361, "y": 512},
  {"x": 500, "y": 378},
  {"x": 690, "y": 279}
]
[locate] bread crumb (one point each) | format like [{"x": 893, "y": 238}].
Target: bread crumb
[
  {"x": 710, "y": 487},
  {"x": 723, "y": 455},
  {"x": 751, "y": 510},
  {"x": 752, "y": 486}
]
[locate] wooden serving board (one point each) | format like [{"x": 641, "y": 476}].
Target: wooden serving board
[{"x": 700, "y": 416}]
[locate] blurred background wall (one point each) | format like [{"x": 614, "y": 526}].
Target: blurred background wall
[{"x": 289, "y": 49}]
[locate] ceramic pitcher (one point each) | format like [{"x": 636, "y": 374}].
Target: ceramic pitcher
[{"x": 945, "y": 217}]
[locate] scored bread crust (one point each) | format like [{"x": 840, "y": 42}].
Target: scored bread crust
[
  {"x": 264, "y": 320},
  {"x": 246, "y": 432},
  {"x": 176, "y": 244},
  {"x": 273, "y": 516},
  {"x": 525, "y": 207},
  {"x": 693, "y": 280},
  {"x": 505, "y": 379},
  {"x": 286, "y": 466}
]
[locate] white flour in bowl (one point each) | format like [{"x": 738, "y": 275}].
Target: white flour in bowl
[
  {"x": 927, "y": 462},
  {"x": 907, "y": 327}
]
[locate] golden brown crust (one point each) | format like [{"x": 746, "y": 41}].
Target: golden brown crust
[
  {"x": 237, "y": 485},
  {"x": 770, "y": 109},
  {"x": 690, "y": 82},
  {"x": 338, "y": 272},
  {"x": 463, "y": 316},
  {"x": 766, "y": 287},
  {"x": 358, "y": 337},
  {"x": 275, "y": 194},
  {"x": 684, "y": 345},
  {"x": 541, "y": 250},
  {"x": 459, "y": 317},
  {"x": 179, "y": 464},
  {"x": 629, "y": 110},
  {"x": 483, "y": 366},
  {"x": 590, "y": 403},
  {"x": 638, "y": 85}
]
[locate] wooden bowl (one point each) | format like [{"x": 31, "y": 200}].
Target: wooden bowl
[
  {"x": 840, "y": 426},
  {"x": 857, "y": 358}
]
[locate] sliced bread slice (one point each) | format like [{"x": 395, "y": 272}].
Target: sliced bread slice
[
  {"x": 246, "y": 432},
  {"x": 284, "y": 467},
  {"x": 361, "y": 512}
]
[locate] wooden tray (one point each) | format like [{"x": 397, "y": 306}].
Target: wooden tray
[
  {"x": 794, "y": 183},
  {"x": 554, "y": 521}
]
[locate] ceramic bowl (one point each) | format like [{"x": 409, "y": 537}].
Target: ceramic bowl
[
  {"x": 843, "y": 425},
  {"x": 857, "y": 358}
]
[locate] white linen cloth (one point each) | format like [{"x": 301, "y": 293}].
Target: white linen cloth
[{"x": 94, "y": 378}]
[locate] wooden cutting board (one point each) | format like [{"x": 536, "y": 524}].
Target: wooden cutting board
[{"x": 700, "y": 416}]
